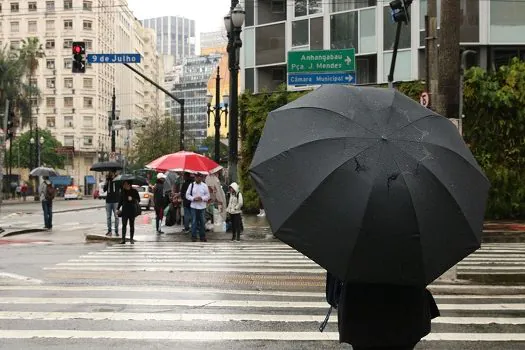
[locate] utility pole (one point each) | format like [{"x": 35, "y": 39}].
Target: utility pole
[
  {"x": 30, "y": 120},
  {"x": 217, "y": 121},
  {"x": 113, "y": 118},
  {"x": 180, "y": 101},
  {"x": 2, "y": 154},
  {"x": 449, "y": 59},
  {"x": 431, "y": 51}
]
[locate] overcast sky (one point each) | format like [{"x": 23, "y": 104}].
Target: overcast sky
[{"x": 209, "y": 14}]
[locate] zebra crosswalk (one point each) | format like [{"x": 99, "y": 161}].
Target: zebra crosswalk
[{"x": 229, "y": 296}]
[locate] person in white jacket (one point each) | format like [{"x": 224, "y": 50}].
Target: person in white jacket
[{"x": 235, "y": 210}]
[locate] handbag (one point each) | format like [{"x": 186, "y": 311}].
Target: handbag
[{"x": 138, "y": 209}]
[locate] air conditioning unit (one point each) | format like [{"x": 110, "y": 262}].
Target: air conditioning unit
[
  {"x": 51, "y": 125},
  {"x": 72, "y": 110},
  {"x": 72, "y": 91},
  {"x": 54, "y": 72},
  {"x": 69, "y": 124}
]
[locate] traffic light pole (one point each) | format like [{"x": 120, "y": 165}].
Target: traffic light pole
[
  {"x": 2, "y": 167},
  {"x": 113, "y": 117},
  {"x": 180, "y": 101},
  {"x": 394, "y": 56}
]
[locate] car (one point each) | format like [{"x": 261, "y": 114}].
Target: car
[
  {"x": 146, "y": 196},
  {"x": 73, "y": 192}
]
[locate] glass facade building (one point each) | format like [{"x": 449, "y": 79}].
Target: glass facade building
[
  {"x": 493, "y": 28},
  {"x": 175, "y": 35}
]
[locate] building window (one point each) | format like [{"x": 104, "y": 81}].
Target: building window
[
  {"x": 68, "y": 122},
  {"x": 68, "y": 43},
  {"x": 344, "y": 30},
  {"x": 50, "y": 64},
  {"x": 88, "y": 140},
  {"x": 88, "y": 121},
  {"x": 50, "y": 122},
  {"x": 50, "y": 6},
  {"x": 15, "y": 7},
  {"x": 366, "y": 69},
  {"x": 15, "y": 27},
  {"x": 68, "y": 24},
  {"x": 50, "y": 83},
  {"x": 50, "y": 102},
  {"x": 367, "y": 31},
  {"x": 68, "y": 83},
  {"x": 270, "y": 44},
  {"x": 346, "y": 5},
  {"x": 507, "y": 21},
  {"x": 87, "y": 5},
  {"x": 88, "y": 25},
  {"x": 389, "y": 32},
  {"x": 32, "y": 27},
  {"x": 89, "y": 44},
  {"x": 32, "y": 6},
  {"x": 68, "y": 63},
  {"x": 69, "y": 141},
  {"x": 50, "y": 25},
  {"x": 88, "y": 83},
  {"x": 300, "y": 33},
  {"x": 308, "y": 7},
  {"x": 68, "y": 4},
  {"x": 50, "y": 44},
  {"x": 68, "y": 101},
  {"x": 88, "y": 102},
  {"x": 269, "y": 11}
]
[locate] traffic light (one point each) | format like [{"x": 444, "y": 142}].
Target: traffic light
[
  {"x": 79, "y": 57},
  {"x": 400, "y": 10},
  {"x": 10, "y": 124}
]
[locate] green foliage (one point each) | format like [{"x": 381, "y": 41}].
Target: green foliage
[
  {"x": 48, "y": 155},
  {"x": 494, "y": 126},
  {"x": 254, "y": 109},
  {"x": 160, "y": 136}
]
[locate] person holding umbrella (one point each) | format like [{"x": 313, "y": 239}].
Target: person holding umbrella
[
  {"x": 47, "y": 193},
  {"x": 159, "y": 200},
  {"x": 129, "y": 200},
  {"x": 198, "y": 194},
  {"x": 112, "y": 198}
]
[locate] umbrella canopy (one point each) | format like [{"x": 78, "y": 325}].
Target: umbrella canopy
[
  {"x": 135, "y": 179},
  {"x": 370, "y": 185},
  {"x": 185, "y": 161},
  {"x": 43, "y": 171},
  {"x": 106, "y": 166}
]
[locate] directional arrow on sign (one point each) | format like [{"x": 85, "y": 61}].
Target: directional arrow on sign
[
  {"x": 349, "y": 78},
  {"x": 348, "y": 60}
]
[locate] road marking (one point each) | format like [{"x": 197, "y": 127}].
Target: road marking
[
  {"x": 194, "y": 269},
  {"x": 194, "y": 261},
  {"x": 230, "y": 336},
  {"x": 180, "y": 265},
  {"x": 20, "y": 277}
]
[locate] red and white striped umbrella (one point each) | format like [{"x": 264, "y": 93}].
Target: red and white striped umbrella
[{"x": 185, "y": 161}]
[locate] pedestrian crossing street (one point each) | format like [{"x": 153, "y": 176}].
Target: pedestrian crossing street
[{"x": 190, "y": 293}]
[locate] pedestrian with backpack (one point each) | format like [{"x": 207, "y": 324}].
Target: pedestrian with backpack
[
  {"x": 47, "y": 194},
  {"x": 235, "y": 210}
]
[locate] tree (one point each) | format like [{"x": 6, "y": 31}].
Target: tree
[
  {"x": 158, "y": 137},
  {"x": 48, "y": 154},
  {"x": 30, "y": 54},
  {"x": 11, "y": 74}
]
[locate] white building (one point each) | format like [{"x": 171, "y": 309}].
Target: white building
[
  {"x": 74, "y": 107},
  {"x": 493, "y": 28},
  {"x": 175, "y": 35}
]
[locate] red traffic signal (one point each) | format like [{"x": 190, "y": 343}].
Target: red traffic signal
[
  {"x": 79, "y": 48},
  {"x": 79, "y": 60}
]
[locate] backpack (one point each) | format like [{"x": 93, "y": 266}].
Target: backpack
[{"x": 50, "y": 192}]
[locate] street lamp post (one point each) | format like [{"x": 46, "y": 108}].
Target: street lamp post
[
  {"x": 217, "y": 111},
  {"x": 38, "y": 147},
  {"x": 233, "y": 22},
  {"x": 113, "y": 115}
]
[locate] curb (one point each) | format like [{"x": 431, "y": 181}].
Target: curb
[
  {"x": 21, "y": 232},
  {"x": 77, "y": 209},
  {"x": 97, "y": 238}
]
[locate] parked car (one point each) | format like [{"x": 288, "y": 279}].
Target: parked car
[
  {"x": 146, "y": 196},
  {"x": 73, "y": 192}
]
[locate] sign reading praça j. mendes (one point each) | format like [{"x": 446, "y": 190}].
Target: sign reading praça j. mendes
[{"x": 321, "y": 61}]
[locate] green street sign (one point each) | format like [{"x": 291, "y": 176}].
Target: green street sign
[{"x": 321, "y": 61}]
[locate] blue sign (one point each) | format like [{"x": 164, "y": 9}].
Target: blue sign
[
  {"x": 203, "y": 148},
  {"x": 113, "y": 58},
  {"x": 299, "y": 79}
]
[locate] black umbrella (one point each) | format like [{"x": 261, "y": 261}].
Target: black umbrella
[
  {"x": 43, "y": 171},
  {"x": 106, "y": 166},
  {"x": 370, "y": 185},
  {"x": 134, "y": 179}
]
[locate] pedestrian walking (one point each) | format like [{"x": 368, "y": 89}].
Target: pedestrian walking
[
  {"x": 186, "y": 204},
  {"x": 18, "y": 191},
  {"x": 235, "y": 210},
  {"x": 130, "y": 204},
  {"x": 198, "y": 194},
  {"x": 47, "y": 194},
  {"x": 23, "y": 189},
  {"x": 112, "y": 190},
  {"x": 383, "y": 316},
  {"x": 159, "y": 201}
]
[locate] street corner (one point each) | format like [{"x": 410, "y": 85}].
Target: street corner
[
  {"x": 10, "y": 232},
  {"x": 22, "y": 242}
]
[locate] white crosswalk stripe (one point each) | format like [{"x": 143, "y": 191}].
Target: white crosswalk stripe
[{"x": 184, "y": 313}]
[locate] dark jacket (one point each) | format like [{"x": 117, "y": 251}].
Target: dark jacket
[
  {"x": 183, "y": 192},
  {"x": 127, "y": 205},
  {"x": 159, "y": 200},
  {"x": 384, "y": 315},
  {"x": 112, "y": 190}
]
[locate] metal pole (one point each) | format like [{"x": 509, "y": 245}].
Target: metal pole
[
  {"x": 234, "y": 71},
  {"x": 30, "y": 120},
  {"x": 394, "y": 56},
  {"x": 113, "y": 117},
  {"x": 217, "y": 117},
  {"x": 181, "y": 101},
  {"x": 6, "y": 115}
]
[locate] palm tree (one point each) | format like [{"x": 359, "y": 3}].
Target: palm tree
[
  {"x": 30, "y": 53},
  {"x": 11, "y": 74}
]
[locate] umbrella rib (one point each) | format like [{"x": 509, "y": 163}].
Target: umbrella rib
[
  {"x": 342, "y": 116},
  {"x": 443, "y": 186},
  {"x": 412, "y": 122}
]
